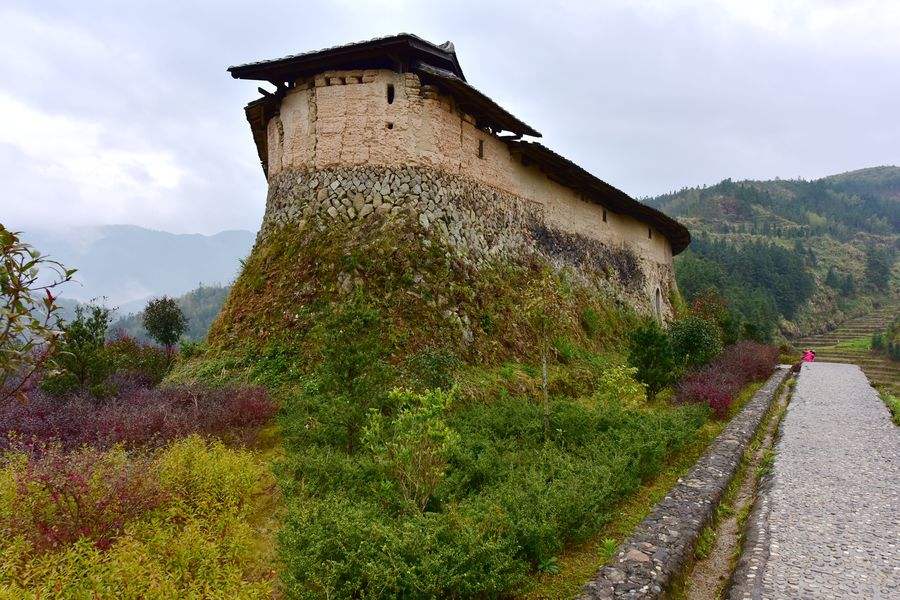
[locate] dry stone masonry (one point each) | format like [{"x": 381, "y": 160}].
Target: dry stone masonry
[{"x": 479, "y": 223}]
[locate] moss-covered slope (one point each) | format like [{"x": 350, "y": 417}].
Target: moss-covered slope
[{"x": 447, "y": 429}]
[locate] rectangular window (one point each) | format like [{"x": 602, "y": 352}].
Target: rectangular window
[
  {"x": 649, "y": 233},
  {"x": 604, "y": 215},
  {"x": 480, "y": 148}
]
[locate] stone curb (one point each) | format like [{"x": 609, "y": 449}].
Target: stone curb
[
  {"x": 662, "y": 545},
  {"x": 746, "y": 580}
]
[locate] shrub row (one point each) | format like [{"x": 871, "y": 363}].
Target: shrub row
[
  {"x": 459, "y": 501},
  {"x": 717, "y": 383},
  {"x": 136, "y": 416}
]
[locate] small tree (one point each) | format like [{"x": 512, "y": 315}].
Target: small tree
[
  {"x": 164, "y": 321},
  {"x": 540, "y": 310},
  {"x": 81, "y": 358},
  {"x": 28, "y": 312},
  {"x": 879, "y": 262},
  {"x": 695, "y": 341},
  {"x": 650, "y": 352}
]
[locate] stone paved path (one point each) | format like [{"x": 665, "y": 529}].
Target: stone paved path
[{"x": 829, "y": 518}]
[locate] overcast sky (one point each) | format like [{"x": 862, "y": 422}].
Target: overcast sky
[{"x": 115, "y": 112}]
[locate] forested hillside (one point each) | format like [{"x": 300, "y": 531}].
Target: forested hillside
[
  {"x": 200, "y": 307},
  {"x": 792, "y": 256}
]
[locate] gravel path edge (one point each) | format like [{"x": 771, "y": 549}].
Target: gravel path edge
[{"x": 661, "y": 546}]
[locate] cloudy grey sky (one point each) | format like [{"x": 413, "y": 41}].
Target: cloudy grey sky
[{"x": 114, "y": 112}]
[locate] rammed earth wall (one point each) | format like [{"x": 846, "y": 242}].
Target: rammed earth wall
[{"x": 480, "y": 223}]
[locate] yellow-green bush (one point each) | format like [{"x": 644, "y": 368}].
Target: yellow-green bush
[{"x": 199, "y": 541}]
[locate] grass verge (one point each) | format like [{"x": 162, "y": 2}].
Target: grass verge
[
  {"x": 578, "y": 563},
  {"x": 707, "y": 575},
  {"x": 893, "y": 404}
]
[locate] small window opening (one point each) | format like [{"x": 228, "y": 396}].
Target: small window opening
[
  {"x": 604, "y": 215},
  {"x": 390, "y": 125},
  {"x": 390, "y": 93},
  {"x": 480, "y": 148},
  {"x": 649, "y": 233}
]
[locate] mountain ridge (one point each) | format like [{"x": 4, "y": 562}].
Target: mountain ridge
[{"x": 128, "y": 264}]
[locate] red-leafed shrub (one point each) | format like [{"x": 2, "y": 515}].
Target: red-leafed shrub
[
  {"x": 62, "y": 497},
  {"x": 718, "y": 383},
  {"x": 752, "y": 360},
  {"x": 707, "y": 387},
  {"x": 148, "y": 362},
  {"x": 136, "y": 416}
]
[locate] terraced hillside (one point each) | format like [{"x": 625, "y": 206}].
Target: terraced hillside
[{"x": 850, "y": 343}]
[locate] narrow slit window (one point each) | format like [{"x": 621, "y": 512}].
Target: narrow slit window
[
  {"x": 649, "y": 233},
  {"x": 604, "y": 215},
  {"x": 480, "y": 148},
  {"x": 390, "y": 93},
  {"x": 657, "y": 303}
]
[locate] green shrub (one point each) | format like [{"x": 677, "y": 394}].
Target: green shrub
[
  {"x": 412, "y": 446},
  {"x": 695, "y": 341},
  {"x": 433, "y": 368},
  {"x": 650, "y": 352},
  {"x": 620, "y": 383},
  {"x": 566, "y": 351},
  {"x": 893, "y": 404},
  {"x": 129, "y": 355},
  {"x": 190, "y": 349},
  {"x": 888, "y": 341},
  {"x": 507, "y": 502},
  {"x": 82, "y": 360}
]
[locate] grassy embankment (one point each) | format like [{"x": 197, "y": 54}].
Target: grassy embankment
[{"x": 477, "y": 472}]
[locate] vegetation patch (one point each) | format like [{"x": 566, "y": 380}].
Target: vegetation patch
[
  {"x": 91, "y": 523},
  {"x": 448, "y": 430},
  {"x": 579, "y": 562},
  {"x": 893, "y": 404}
]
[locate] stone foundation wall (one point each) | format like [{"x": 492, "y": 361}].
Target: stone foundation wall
[{"x": 480, "y": 223}]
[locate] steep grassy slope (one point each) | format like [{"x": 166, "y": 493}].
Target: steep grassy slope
[
  {"x": 426, "y": 453},
  {"x": 837, "y": 226}
]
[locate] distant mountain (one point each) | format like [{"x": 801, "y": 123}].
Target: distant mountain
[
  {"x": 865, "y": 201},
  {"x": 129, "y": 264},
  {"x": 815, "y": 251}
]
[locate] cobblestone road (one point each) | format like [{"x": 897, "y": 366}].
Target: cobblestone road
[{"x": 830, "y": 518}]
